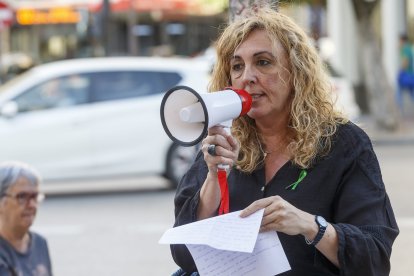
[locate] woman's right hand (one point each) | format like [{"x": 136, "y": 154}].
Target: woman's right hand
[
  {"x": 227, "y": 148},
  {"x": 227, "y": 151}
]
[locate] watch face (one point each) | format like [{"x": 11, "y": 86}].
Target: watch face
[{"x": 322, "y": 221}]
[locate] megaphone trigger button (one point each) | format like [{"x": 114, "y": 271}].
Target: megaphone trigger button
[{"x": 211, "y": 150}]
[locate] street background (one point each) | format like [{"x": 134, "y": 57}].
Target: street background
[
  {"x": 111, "y": 226},
  {"x": 117, "y": 233}
]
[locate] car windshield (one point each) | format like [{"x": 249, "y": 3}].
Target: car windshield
[{"x": 6, "y": 86}]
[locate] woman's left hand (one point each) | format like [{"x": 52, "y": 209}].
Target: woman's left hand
[{"x": 279, "y": 215}]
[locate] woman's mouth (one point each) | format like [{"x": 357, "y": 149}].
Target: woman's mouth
[
  {"x": 28, "y": 214},
  {"x": 256, "y": 96}
]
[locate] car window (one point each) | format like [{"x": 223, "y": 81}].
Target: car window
[
  {"x": 59, "y": 92},
  {"x": 170, "y": 80},
  {"x": 117, "y": 85}
]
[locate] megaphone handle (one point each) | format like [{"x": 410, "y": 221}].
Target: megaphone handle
[
  {"x": 226, "y": 126},
  {"x": 222, "y": 170},
  {"x": 223, "y": 166}
]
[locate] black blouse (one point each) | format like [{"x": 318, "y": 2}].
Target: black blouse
[{"x": 345, "y": 187}]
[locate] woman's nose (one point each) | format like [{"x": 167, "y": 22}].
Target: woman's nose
[{"x": 249, "y": 76}]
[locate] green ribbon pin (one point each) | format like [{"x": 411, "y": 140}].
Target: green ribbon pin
[{"x": 302, "y": 175}]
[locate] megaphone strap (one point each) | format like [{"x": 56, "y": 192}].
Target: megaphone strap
[{"x": 224, "y": 190}]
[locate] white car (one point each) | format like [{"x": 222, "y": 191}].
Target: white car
[{"x": 96, "y": 117}]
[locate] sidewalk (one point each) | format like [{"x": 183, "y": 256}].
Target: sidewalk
[{"x": 402, "y": 136}]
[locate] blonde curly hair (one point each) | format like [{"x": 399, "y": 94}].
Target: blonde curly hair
[{"x": 313, "y": 119}]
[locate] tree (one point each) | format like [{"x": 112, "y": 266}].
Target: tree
[
  {"x": 239, "y": 8},
  {"x": 380, "y": 99}
]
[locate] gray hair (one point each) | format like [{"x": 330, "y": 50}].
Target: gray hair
[{"x": 11, "y": 171}]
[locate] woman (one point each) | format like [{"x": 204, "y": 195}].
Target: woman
[
  {"x": 314, "y": 172},
  {"x": 22, "y": 252}
]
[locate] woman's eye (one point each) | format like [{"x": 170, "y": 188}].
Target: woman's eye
[
  {"x": 236, "y": 67},
  {"x": 263, "y": 62}
]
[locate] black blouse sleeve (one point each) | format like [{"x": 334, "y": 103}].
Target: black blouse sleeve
[
  {"x": 363, "y": 216},
  {"x": 186, "y": 203}
]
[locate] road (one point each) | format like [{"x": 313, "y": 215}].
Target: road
[
  {"x": 108, "y": 234},
  {"x": 118, "y": 233},
  {"x": 397, "y": 163}
]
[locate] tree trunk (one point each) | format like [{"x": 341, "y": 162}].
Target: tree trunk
[
  {"x": 240, "y": 8},
  {"x": 132, "y": 20},
  {"x": 380, "y": 92}
]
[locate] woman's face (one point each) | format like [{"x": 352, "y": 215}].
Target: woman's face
[
  {"x": 262, "y": 69},
  {"x": 15, "y": 214}
]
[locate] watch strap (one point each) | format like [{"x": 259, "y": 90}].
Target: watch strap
[{"x": 319, "y": 235}]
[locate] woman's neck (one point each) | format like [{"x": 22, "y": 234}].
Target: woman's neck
[
  {"x": 272, "y": 125},
  {"x": 18, "y": 239},
  {"x": 275, "y": 138}
]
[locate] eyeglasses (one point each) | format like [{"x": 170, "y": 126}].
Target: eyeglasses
[{"x": 24, "y": 198}]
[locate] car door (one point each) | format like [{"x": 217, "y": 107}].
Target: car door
[
  {"x": 49, "y": 130},
  {"x": 128, "y": 137}
]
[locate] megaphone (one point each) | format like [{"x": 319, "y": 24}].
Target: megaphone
[{"x": 187, "y": 115}]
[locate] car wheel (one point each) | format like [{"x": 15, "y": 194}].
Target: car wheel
[{"x": 179, "y": 160}]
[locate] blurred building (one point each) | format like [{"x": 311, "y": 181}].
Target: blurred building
[{"x": 58, "y": 29}]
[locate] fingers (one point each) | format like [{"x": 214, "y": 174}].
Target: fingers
[
  {"x": 217, "y": 130},
  {"x": 233, "y": 143},
  {"x": 279, "y": 215},
  {"x": 219, "y": 147},
  {"x": 274, "y": 217},
  {"x": 222, "y": 156},
  {"x": 219, "y": 137},
  {"x": 257, "y": 205}
]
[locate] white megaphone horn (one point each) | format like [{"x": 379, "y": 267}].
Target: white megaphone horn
[{"x": 187, "y": 115}]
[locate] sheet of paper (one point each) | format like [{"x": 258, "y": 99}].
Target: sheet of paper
[
  {"x": 227, "y": 232},
  {"x": 267, "y": 259}
]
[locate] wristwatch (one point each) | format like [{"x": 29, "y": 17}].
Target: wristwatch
[{"x": 322, "y": 225}]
